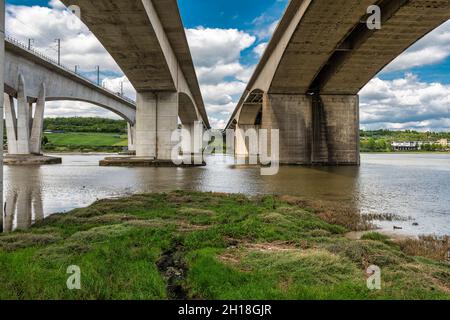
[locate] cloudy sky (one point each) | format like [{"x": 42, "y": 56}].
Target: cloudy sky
[{"x": 227, "y": 38}]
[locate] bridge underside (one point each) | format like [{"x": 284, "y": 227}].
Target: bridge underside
[
  {"x": 147, "y": 40},
  {"x": 320, "y": 57}
]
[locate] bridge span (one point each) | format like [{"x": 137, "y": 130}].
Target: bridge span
[
  {"x": 320, "y": 56},
  {"x": 31, "y": 80},
  {"x": 147, "y": 40}
]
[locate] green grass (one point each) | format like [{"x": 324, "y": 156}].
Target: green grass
[
  {"x": 85, "y": 142},
  {"x": 87, "y": 139},
  {"x": 214, "y": 246}
]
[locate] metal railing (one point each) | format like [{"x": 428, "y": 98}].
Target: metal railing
[{"x": 41, "y": 55}]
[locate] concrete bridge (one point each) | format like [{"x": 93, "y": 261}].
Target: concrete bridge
[
  {"x": 147, "y": 40},
  {"x": 321, "y": 55},
  {"x": 32, "y": 80}
]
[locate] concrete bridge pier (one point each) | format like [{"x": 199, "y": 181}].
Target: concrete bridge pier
[
  {"x": 336, "y": 130},
  {"x": 321, "y": 130},
  {"x": 192, "y": 143},
  {"x": 131, "y": 138},
  {"x": 24, "y": 131},
  {"x": 292, "y": 116},
  {"x": 247, "y": 143},
  {"x": 156, "y": 119}
]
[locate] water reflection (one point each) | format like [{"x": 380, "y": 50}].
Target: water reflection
[
  {"x": 414, "y": 186},
  {"x": 23, "y": 201}
]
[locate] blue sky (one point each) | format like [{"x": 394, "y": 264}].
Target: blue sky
[{"x": 227, "y": 38}]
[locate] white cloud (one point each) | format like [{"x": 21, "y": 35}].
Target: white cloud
[
  {"x": 260, "y": 48},
  {"x": 77, "y": 109},
  {"x": 222, "y": 76},
  {"x": 211, "y": 47},
  {"x": 115, "y": 84},
  {"x": 43, "y": 24},
  {"x": 265, "y": 25},
  {"x": 405, "y": 103},
  {"x": 432, "y": 49},
  {"x": 217, "y": 123},
  {"x": 78, "y": 47}
]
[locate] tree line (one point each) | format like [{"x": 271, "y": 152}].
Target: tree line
[
  {"x": 381, "y": 140},
  {"x": 78, "y": 124}
]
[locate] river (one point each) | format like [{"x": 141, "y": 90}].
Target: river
[{"x": 413, "y": 186}]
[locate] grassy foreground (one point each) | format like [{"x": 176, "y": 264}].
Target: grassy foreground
[{"x": 208, "y": 246}]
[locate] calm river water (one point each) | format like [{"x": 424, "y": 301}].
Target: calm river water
[{"x": 413, "y": 186}]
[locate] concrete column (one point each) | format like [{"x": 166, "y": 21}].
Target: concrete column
[
  {"x": 167, "y": 123},
  {"x": 246, "y": 143},
  {"x": 187, "y": 139},
  {"x": 38, "y": 123},
  {"x": 2, "y": 70},
  {"x": 336, "y": 130},
  {"x": 131, "y": 137},
  {"x": 156, "y": 119},
  {"x": 11, "y": 124},
  {"x": 192, "y": 142},
  {"x": 23, "y": 124},
  {"x": 146, "y": 105},
  {"x": 292, "y": 116},
  {"x": 240, "y": 146}
]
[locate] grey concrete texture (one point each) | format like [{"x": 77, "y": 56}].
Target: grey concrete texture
[
  {"x": 147, "y": 40},
  {"x": 403, "y": 23},
  {"x": 157, "y": 120},
  {"x": 312, "y": 131}
]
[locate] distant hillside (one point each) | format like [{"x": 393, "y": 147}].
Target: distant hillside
[
  {"x": 77, "y": 124},
  {"x": 407, "y": 135},
  {"x": 380, "y": 140}
]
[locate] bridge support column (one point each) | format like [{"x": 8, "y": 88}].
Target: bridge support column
[
  {"x": 18, "y": 127},
  {"x": 336, "y": 130},
  {"x": 146, "y": 104},
  {"x": 156, "y": 119},
  {"x": 314, "y": 129},
  {"x": 23, "y": 131},
  {"x": 23, "y": 119},
  {"x": 37, "y": 126},
  {"x": 246, "y": 144},
  {"x": 292, "y": 116},
  {"x": 167, "y": 123},
  {"x": 192, "y": 143},
  {"x": 131, "y": 137},
  {"x": 11, "y": 124}
]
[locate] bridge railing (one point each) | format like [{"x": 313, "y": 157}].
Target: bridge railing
[{"x": 41, "y": 55}]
